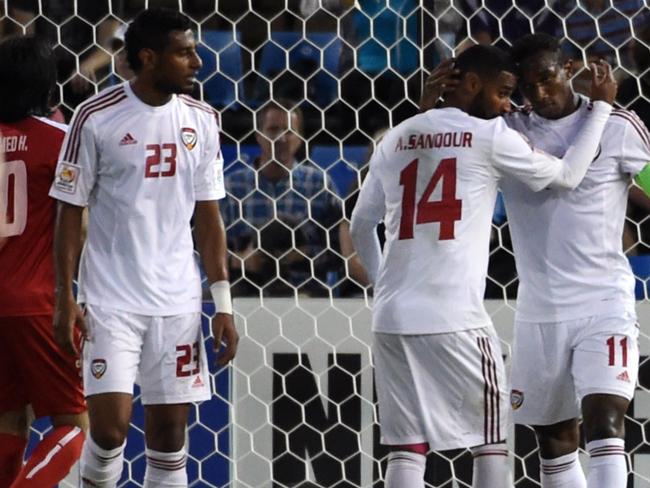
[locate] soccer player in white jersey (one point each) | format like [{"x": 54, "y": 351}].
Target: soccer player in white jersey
[
  {"x": 145, "y": 158},
  {"x": 575, "y": 351},
  {"x": 433, "y": 180}
]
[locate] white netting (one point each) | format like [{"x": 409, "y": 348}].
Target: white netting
[{"x": 297, "y": 407}]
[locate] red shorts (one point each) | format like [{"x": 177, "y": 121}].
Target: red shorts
[{"x": 33, "y": 370}]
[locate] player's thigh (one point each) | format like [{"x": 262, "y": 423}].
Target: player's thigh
[
  {"x": 111, "y": 355},
  {"x": 542, "y": 387},
  {"x": 174, "y": 367},
  {"x": 16, "y": 422},
  {"x": 77, "y": 420},
  {"x": 13, "y": 394},
  {"x": 50, "y": 379},
  {"x": 606, "y": 358}
]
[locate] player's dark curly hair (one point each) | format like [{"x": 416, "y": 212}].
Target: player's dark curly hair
[
  {"x": 27, "y": 78},
  {"x": 485, "y": 61},
  {"x": 533, "y": 44},
  {"x": 151, "y": 29}
]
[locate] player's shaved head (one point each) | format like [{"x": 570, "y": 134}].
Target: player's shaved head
[
  {"x": 533, "y": 45},
  {"x": 486, "y": 61},
  {"x": 150, "y": 30},
  {"x": 27, "y": 78}
]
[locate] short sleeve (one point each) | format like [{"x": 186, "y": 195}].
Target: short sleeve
[
  {"x": 208, "y": 177},
  {"x": 371, "y": 204},
  {"x": 515, "y": 156},
  {"x": 636, "y": 145},
  {"x": 78, "y": 165}
]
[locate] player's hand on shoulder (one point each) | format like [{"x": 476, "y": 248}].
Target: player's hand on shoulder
[
  {"x": 603, "y": 84},
  {"x": 443, "y": 79},
  {"x": 67, "y": 315},
  {"x": 226, "y": 337}
]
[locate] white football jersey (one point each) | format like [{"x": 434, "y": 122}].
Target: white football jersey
[
  {"x": 568, "y": 244},
  {"x": 436, "y": 192},
  {"x": 140, "y": 169}
]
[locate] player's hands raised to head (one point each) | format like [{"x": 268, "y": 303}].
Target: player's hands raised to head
[
  {"x": 603, "y": 84},
  {"x": 443, "y": 79},
  {"x": 224, "y": 333},
  {"x": 67, "y": 315}
]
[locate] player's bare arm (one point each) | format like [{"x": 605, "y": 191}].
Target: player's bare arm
[
  {"x": 67, "y": 247},
  {"x": 210, "y": 235},
  {"x": 443, "y": 79}
]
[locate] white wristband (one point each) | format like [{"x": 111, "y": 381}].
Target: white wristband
[{"x": 220, "y": 291}]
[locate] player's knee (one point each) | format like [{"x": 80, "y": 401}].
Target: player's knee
[
  {"x": 15, "y": 422},
  {"x": 558, "y": 439},
  {"x": 604, "y": 416},
  {"x": 109, "y": 438}
]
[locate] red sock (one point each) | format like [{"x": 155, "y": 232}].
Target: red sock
[
  {"x": 52, "y": 459},
  {"x": 12, "y": 449}
]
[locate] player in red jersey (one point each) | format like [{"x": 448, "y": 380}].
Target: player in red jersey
[{"x": 33, "y": 369}]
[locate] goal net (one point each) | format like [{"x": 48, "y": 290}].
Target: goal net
[{"x": 297, "y": 408}]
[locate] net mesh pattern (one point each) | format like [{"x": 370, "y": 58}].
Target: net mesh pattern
[{"x": 297, "y": 407}]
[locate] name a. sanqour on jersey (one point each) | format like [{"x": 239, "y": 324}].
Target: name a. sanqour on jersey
[
  {"x": 434, "y": 140},
  {"x": 13, "y": 144}
]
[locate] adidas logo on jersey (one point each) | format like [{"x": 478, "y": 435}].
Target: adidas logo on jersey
[
  {"x": 198, "y": 382},
  {"x": 128, "y": 139},
  {"x": 624, "y": 377}
]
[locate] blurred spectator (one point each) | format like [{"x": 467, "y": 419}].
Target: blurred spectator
[
  {"x": 280, "y": 216},
  {"x": 121, "y": 69}
]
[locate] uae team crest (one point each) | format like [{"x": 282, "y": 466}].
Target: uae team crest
[
  {"x": 98, "y": 367},
  {"x": 188, "y": 136}
]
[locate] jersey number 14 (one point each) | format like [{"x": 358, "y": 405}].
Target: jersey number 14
[{"x": 446, "y": 211}]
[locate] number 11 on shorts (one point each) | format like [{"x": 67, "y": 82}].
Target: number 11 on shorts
[{"x": 611, "y": 344}]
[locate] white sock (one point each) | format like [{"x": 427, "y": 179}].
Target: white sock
[
  {"x": 100, "y": 468},
  {"x": 562, "y": 472},
  {"x": 491, "y": 467},
  {"x": 607, "y": 464},
  {"x": 165, "y": 469},
  {"x": 405, "y": 468}
]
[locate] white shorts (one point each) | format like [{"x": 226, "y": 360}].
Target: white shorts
[
  {"x": 445, "y": 389},
  {"x": 555, "y": 365},
  {"x": 164, "y": 355}
]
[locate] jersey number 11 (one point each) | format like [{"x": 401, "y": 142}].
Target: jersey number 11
[{"x": 447, "y": 210}]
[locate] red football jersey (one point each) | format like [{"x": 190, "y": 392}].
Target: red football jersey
[{"x": 31, "y": 149}]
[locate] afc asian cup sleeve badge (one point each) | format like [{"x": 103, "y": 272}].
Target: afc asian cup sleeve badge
[
  {"x": 189, "y": 137},
  {"x": 516, "y": 399},
  {"x": 98, "y": 368},
  {"x": 66, "y": 178}
]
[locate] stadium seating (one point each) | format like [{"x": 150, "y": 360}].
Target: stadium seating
[
  {"x": 222, "y": 69},
  {"x": 314, "y": 59}
]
